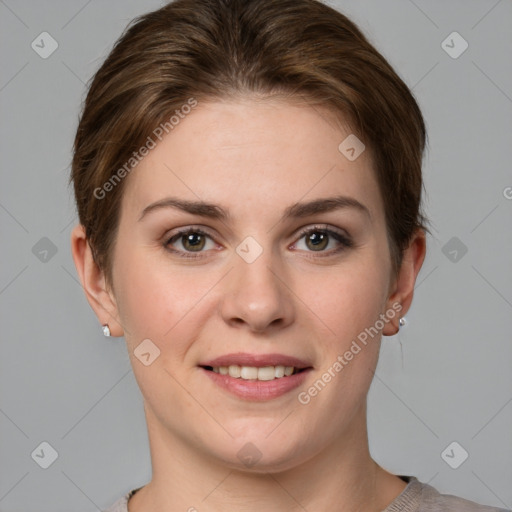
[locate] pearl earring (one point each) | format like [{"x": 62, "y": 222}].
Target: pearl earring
[
  {"x": 106, "y": 330},
  {"x": 402, "y": 322}
]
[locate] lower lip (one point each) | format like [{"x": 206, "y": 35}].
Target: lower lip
[{"x": 258, "y": 390}]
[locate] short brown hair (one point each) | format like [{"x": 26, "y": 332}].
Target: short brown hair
[{"x": 211, "y": 49}]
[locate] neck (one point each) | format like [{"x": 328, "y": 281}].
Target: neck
[{"x": 343, "y": 477}]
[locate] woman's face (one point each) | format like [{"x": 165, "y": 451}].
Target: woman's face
[{"x": 278, "y": 267}]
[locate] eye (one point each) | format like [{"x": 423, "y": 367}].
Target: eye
[
  {"x": 318, "y": 239},
  {"x": 322, "y": 239},
  {"x": 190, "y": 240}
]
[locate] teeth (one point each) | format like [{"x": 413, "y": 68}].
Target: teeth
[
  {"x": 249, "y": 372},
  {"x": 234, "y": 371},
  {"x": 254, "y": 373},
  {"x": 266, "y": 373}
]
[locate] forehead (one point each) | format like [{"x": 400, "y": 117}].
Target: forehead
[{"x": 252, "y": 155}]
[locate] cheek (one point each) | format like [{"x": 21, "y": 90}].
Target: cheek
[
  {"x": 156, "y": 301},
  {"x": 348, "y": 299},
  {"x": 350, "y": 303}
]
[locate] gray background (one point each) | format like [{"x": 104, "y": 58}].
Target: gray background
[{"x": 446, "y": 377}]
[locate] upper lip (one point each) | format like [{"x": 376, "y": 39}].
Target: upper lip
[{"x": 257, "y": 360}]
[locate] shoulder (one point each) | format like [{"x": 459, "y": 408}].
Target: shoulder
[
  {"x": 420, "y": 497},
  {"x": 121, "y": 505},
  {"x": 416, "y": 497}
]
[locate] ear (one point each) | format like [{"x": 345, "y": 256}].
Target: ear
[
  {"x": 99, "y": 295},
  {"x": 403, "y": 286}
]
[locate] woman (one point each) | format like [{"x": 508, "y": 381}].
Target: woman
[{"x": 248, "y": 182}]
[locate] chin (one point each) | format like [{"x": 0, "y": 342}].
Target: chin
[{"x": 264, "y": 454}]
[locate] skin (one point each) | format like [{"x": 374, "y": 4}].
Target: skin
[{"x": 254, "y": 159}]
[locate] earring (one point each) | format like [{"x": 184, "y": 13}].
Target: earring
[
  {"x": 106, "y": 330},
  {"x": 402, "y": 322}
]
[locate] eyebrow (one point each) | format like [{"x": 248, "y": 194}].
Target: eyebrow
[{"x": 297, "y": 210}]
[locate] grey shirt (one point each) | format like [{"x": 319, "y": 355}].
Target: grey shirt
[{"x": 416, "y": 497}]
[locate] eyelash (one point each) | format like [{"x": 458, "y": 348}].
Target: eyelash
[{"x": 344, "y": 241}]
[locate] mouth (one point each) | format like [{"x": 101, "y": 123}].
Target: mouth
[
  {"x": 262, "y": 373},
  {"x": 257, "y": 377}
]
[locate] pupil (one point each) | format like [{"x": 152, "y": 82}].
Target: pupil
[
  {"x": 194, "y": 241},
  {"x": 318, "y": 240}
]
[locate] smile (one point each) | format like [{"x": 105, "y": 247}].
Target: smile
[
  {"x": 264, "y": 373},
  {"x": 256, "y": 377}
]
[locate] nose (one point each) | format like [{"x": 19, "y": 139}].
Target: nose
[{"x": 257, "y": 296}]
